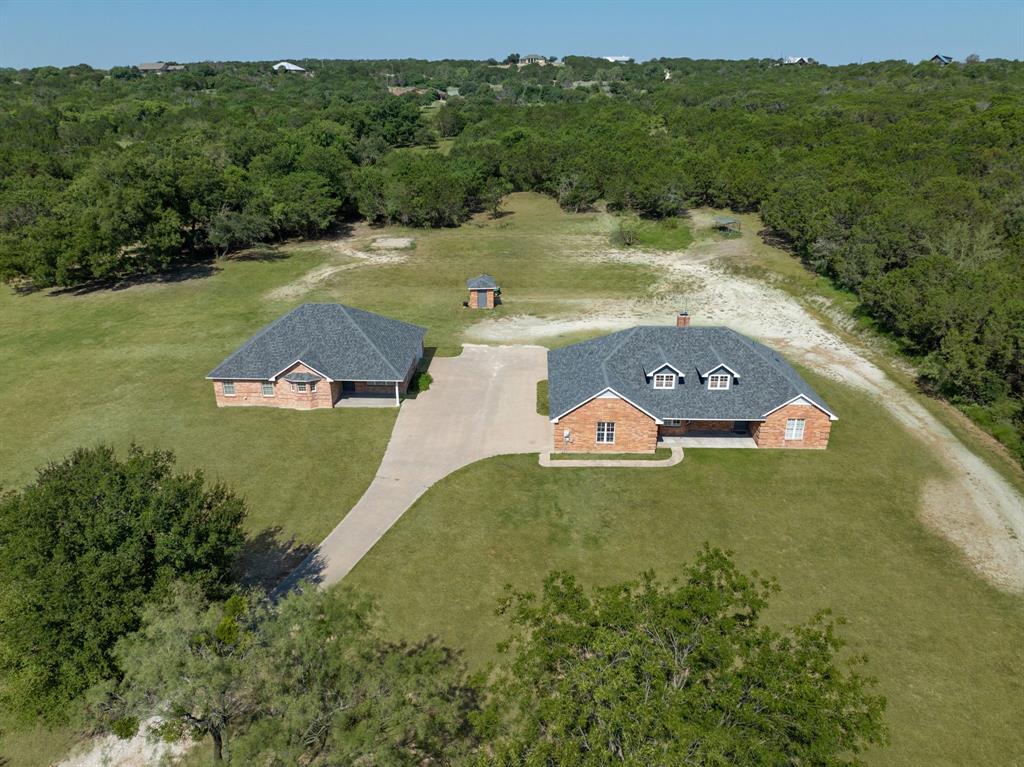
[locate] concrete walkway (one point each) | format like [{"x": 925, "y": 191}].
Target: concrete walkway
[
  {"x": 612, "y": 463},
  {"x": 480, "y": 404}
]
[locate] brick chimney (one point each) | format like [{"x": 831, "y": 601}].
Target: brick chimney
[{"x": 683, "y": 320}]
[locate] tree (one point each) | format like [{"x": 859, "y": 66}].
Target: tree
[
  {"x": 492, "y": 194},
  {"x": 645, "y": 673},
  {"x": 84, "y": 549},
  {"x": 335, "y": 693},
  {"x": 195, "y": 666},
  {"x": 303, "y": 681},
  {"x": 449, "y": 121},
  {"x": 626, "y": 232}
]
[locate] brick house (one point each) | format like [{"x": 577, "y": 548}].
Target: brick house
[
  {"x": 625, "y": 392},
  {"x": 484, "y": 292},
  {"x": 317, "y": 355}
]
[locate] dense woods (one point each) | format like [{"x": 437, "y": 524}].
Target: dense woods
[{"x": 902, "y": 183}]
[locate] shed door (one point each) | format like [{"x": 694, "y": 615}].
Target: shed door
[{"x": 481, "y": 299}]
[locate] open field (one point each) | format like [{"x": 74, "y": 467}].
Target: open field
[
  {"x": 841, "y": 528},
  {"x": 838, "y": 529}
]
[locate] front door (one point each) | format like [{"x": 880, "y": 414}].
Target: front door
[
  {"x": 740, "y": 427},
  {"x": 348, "y": 387},
  {"x": 481, "y": 299}
]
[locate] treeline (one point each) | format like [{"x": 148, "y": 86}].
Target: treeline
[
  {"x": 119, "y": 605},
  {"x": 903, "y": 183}
]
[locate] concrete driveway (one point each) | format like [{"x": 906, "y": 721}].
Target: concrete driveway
[{"x": 480, "y": 404}]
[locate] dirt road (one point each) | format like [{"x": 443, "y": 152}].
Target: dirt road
[{"x": 974, "y": 507}]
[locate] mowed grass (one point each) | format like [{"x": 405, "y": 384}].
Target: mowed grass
[
  {"x": 838, "y": 529},
  {"x": 129, "y": 365},
  {"x": 524, "y": 249}
]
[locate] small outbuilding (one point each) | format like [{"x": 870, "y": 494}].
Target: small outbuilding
[
  {"x": 484, "y": 292},
  {"x": 287, "y": 66},
  {"x": 941, "y": 60},
  {"x": 728, "y": 224}
]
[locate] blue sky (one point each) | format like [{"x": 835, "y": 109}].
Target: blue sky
[{"x": 111, "y": 33}]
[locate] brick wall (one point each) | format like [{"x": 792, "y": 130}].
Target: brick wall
[
  {"x": 473, "y": 303},
  {"x": 635, "y": 431},
  {"x": 772, "y": 431},
  {"x": 250, "y": 393}
]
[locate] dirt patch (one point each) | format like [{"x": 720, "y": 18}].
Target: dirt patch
[
  {"x": 975, "y": 508},
  {"x": 140, "y": 751},
  {"x": 347, "y": 254},
  {"x": 393, "y": 243}
]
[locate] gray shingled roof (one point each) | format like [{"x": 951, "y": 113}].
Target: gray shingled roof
[
  {"x": 343, "y": 343},
  {"x": 483, "y": 282},
  {"x": 624, "y": 361}
]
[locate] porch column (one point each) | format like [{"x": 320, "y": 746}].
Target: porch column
[{"x": 396, "y": 394}]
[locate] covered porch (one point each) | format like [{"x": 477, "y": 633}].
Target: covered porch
[
  {"x": 698, "y": 434},
  {"x": 709, "y": 440},
  {"x": 367, "y": 393}
]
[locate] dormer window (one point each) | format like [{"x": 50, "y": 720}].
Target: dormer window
[
  {"x": 719, "y": 381},
  {"x": 664, "y": 380}
]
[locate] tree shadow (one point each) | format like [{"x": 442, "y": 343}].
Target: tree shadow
[
  {"x": 268, "y": 558},
  {"x": 183, "y": 274},
  {"x": 259, "y": 253},
  {"x": 776, "y": 239}
]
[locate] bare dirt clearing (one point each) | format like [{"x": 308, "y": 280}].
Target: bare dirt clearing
[
  {"x": 348, "y": 253},
  {"x": 976, "y": 508},
  {"x": 143, "y": 749}
]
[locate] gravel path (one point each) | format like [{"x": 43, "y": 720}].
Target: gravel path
[{"x": 973, "y": 506}]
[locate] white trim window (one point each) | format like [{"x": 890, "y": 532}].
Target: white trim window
[
  {"x": 719, "y": 381},
  {"x": 664, "y": 380},
  {"x": 267, "y": 389},
  {"x": 795, "y": 428},
  {"x": 312, "y": 387},
  {"x": 606, "y": 432},
  {"x": 228, "y": 387}
]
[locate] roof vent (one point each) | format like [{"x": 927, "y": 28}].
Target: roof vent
[{"x": 683, "y": 320}]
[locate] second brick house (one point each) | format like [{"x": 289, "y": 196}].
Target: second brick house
[
  {"x": 319, "y": 354},
  {"x": 624, "y": 392}
]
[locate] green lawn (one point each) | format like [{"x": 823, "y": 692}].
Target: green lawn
[
  {"x": 524, "y": 249},
  {"x": 129, "y": 365},
  {"x": 666, "y": 234},
  {"x": 838, "y": 528}
]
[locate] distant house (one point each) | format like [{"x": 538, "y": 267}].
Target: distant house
[
  {"x": 798, "y": 60},
  {"x": 153, "y": 67},
  {"x": 628, "y": 391},
  {"x": 533, "y": 58},
  {"x": 941, "y": 60},
  {"x": 317, "y": 355},
  {"x": 618, "y": 59},
  {"x": 484, "y": 292},
  {"x": 287, "y": 66}
]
